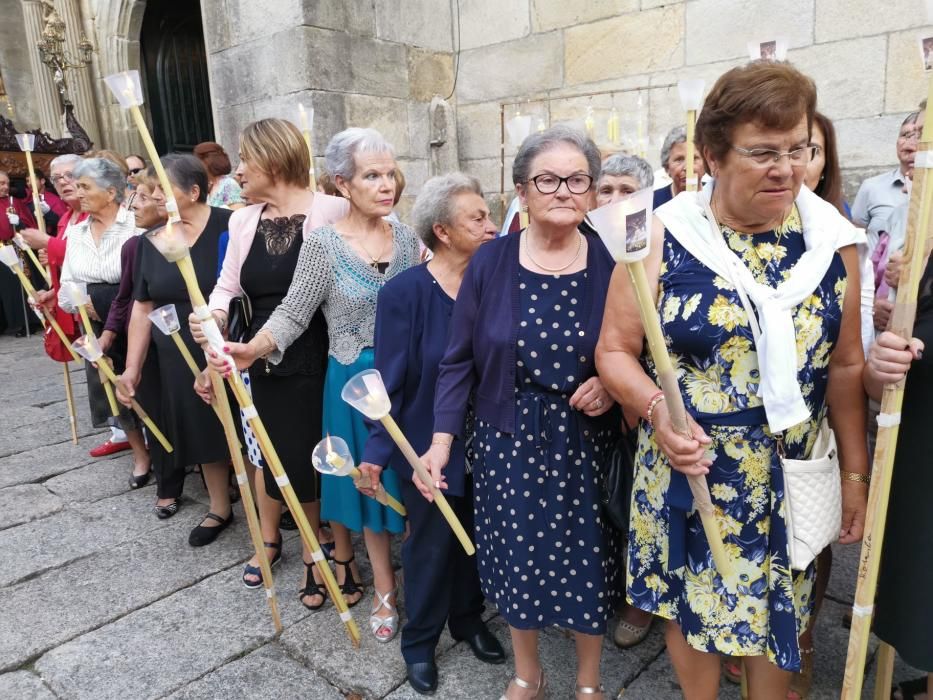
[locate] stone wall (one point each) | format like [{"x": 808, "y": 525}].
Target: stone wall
[
  {"x": 537, "y": 54},
  {"x": 360, "y": 62}
]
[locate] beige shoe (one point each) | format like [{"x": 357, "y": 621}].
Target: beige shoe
[
  {"x": 628, "y": 635},
  {"x": 538, "y": 689}
]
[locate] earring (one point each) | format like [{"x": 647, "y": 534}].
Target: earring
[{"x": 822, "y": 177}]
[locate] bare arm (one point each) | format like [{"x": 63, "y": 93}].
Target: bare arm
[{"x": 845, "y": 398}]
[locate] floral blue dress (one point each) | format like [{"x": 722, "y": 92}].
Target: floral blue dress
[{"x": 670, "y": 568}]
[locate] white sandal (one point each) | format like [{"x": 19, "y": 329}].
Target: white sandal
[
  {"x": 538, "y": 689},
  {"x": 390, "y": 624}
]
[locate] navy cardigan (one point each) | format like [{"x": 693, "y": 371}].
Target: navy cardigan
[
  {"x": 480, "y": 357},
  {"x": 412, "y": 323}
]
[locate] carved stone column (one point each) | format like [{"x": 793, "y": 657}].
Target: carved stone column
[
  {"x": 45, "y": 94},
  {"x": 79, "y": 81}
]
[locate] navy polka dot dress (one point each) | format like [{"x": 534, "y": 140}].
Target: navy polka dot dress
[{"x": 546, "y": 556}]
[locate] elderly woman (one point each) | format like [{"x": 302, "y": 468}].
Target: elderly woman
[
  {"x": 412, "y": 324},
  {"x": 92, "y": 257},
  {"x": 674, "y": 162},
  {"x": 622, "y": 175},
  {"x": 224, "y": 189},
  {"x": 522, "y": 339},
  {"x": 904, "y": 617},
  {"x": 265, "y": 240},
  {"x": 746, "y": 407},
  {"x": 341, "y": 269},
  {"x": 153, "y": 359}
]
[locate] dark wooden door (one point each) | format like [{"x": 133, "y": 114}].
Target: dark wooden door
[{"x": 174, "y": 67}]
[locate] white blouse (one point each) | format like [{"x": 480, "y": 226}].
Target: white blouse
[{"x": 90, "y": 262}]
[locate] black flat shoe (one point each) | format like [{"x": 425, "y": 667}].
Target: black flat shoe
[
  {"x": 202, "y": 535},
  {"x": 166, "y": 512},
  {"x": 485, "y": 646},
  {"x": 422, "y": 677},
  {"x": 137, "y": 482}
]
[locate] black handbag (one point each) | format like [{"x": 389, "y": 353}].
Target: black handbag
[
  {"x": 618, "y": 479},
  {"x": 239, "y": 318}
]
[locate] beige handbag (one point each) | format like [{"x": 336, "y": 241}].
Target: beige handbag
[{"x": 812, "y": 500}]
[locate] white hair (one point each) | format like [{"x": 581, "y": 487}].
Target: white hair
[
  {"x": 435, "y": 203},
  {"x": 65, "y": 160},
  {"x": 343, "y": 147}
]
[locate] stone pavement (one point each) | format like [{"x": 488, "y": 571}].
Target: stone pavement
[{"x": 99, "y": 599}]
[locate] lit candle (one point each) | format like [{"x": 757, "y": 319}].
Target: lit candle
[
  {"x": 589, "y": 122},
  {"x": 612, "y": 126}
]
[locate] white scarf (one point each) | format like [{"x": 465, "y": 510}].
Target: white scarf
[{"x": 824, "y": 232}]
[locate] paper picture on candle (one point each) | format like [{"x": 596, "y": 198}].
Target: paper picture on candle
[
  {"x": 768, "y": 50},
  {"x": 636, "y": 231},
  {"x": 926, "y": 52}
]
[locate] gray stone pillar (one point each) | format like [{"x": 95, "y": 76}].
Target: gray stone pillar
[
  {"x": 79, "y": 80},
  {"x": 44, "y": 93}
]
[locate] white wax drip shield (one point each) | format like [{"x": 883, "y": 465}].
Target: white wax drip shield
[
  {"x": 88, "y": 348},
  {"x": 76, "y": 293},
  {"x": 165, "y": 319},
  {"x": 691, "y": 93},
  {"x": 367, "y": 394},
  {"x": 8, "y": 256},
  {"x": 332, "y": 456},
  {"x": 518, "y": 128},
  {"x": 26, "y": 142},
  {"x": 625, "y": 226},
  {"x": 170, "y": 243},
  {"x": 126, "y": 87}
]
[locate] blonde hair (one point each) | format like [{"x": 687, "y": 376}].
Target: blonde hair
[{"x": 277, "y": 148}]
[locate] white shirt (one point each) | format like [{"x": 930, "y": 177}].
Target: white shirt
[{"x": 90, "y": 262}]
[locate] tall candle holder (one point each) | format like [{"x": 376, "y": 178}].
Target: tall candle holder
[
  {"x": 691, "y": 97},
  {"x": 27, "y": 143},
  {"x": 331, "y": 456}
]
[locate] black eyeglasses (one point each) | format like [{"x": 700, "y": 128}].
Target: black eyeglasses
[
  {"x": 134, "y": 171},
  {"x": 578, "y": 183}
]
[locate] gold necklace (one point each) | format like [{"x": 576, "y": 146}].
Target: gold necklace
[
  {"x": 374, "y": 261},
  {"x": 552, "y": 269}
]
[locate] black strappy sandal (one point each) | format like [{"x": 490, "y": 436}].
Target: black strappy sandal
[
  {"x": 249, "y": 570},
  {"x": 311, "y": 588},
  {"x": 350, "y": 586}
]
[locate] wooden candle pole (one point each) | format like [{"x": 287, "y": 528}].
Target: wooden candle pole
[
  {"x": 341, "y": 468},
  {"x": 691, "y": 131},
  {"x": 917, "y": 248},
  {"x": 40, "y": 219},
  {"x": 108, "y": 388},
  {"x": 104, "y": 366},
  {"x": 675, "y": 407},
  {"x": 124, "y": 87},
  {"x": 382, "y": 496},
  {"x": 69, "y": 395},
  {"x": 225, "y": 415}
]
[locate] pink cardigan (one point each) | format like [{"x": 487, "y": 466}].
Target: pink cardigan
[{"x": 325, "y": 209}]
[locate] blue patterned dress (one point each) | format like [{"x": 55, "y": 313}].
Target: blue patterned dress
[
  {"x": 546, "y": 556},
  {"x": 671, "y": 571}
]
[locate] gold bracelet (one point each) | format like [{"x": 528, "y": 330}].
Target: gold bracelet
[
  {"x": 442, "y": 443},
  {"x": 855, "y": 476}
]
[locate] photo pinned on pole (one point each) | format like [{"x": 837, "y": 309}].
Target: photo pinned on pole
[
  {"x": 625, "y": 226},
  {"x": 926, "y": 53},
  {"x": 774, "y": 49}
]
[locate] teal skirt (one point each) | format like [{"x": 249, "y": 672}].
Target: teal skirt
[{"x": 340, "y": 501}]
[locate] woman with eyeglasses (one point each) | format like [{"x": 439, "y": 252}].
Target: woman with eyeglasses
[
  {"x": 753, "y": 256},
  {"x": 521, "y": 350}
]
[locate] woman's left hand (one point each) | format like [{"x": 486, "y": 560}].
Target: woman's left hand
[
  {"x": 369, "y": 479},
  {"x": 592, "y": 398},
  {"x": 854, "y": 505}
]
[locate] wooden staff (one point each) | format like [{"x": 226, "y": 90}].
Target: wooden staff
[
  {"x": 306, "y": 132},
  {"x": 691, "y": 149},
  {"x": 225, "y": 416},
  {"x": 69, "y": 395},
  {"x": 94, "y": 355},
  {"x": 917, "y": 248},
  {"x": 675, "y": 407},
  {"x": 37, "y": 207},
  {"x": 31, "y": 254},
  {"x": 366, "y": 393},
  {"x": 126, "y": 88},
  {"x": 105, "y": 382}
]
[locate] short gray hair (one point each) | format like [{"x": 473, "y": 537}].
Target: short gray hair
[
  {"x": 633, "y": 166},
  {"x": 105, "y": 174},
  {"x": 343, "y": 147},
  {"x": 435, "y": 203},
  {"x": 542, "y": 141},
  {"x": 676, "y": 135},
  {"x": 65, "y": 159}
]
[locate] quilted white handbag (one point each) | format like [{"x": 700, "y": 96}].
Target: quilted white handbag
[{"x": 812, "y": 500}]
